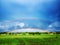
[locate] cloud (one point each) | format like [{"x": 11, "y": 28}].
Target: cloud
[
  {"x": 27, "y": 9},
  {"x": 29, "y": 30},
  {"x": 2, "y": 27}
]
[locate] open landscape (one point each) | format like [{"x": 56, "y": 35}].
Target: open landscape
[
  {"x": 29, "y": 39},
  {"x": 29, "y": 22}
]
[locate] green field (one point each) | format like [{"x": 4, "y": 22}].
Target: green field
[{"x": 20, "y": 39}]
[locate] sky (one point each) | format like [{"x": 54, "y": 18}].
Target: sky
[
  {"x": 18, "y": 9},
  {"x": 45, "y": 10}
]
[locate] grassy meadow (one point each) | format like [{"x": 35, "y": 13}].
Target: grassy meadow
[{"x": 30, "y": 39}]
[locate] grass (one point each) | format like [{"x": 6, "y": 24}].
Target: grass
[{"x": 20, "y": 39}]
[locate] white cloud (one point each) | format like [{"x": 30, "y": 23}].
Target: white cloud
[
  {"x": 50, "y": 26},
  {"x": 21, "y": 24},
  {"x": 2, "y": 27},
  {"x": 29, "y": 30}
]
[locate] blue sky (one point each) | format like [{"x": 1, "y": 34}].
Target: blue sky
[
  {"x": 18, "y": 9},
  {"x": 45, "y": 10}
]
